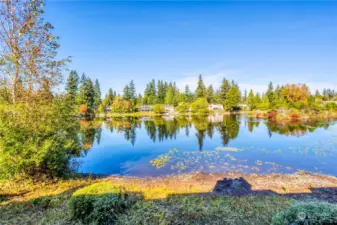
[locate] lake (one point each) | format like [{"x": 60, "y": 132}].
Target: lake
[{"x": 157, "y": 146}]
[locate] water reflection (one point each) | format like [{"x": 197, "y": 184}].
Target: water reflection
[
  {"x": 295, "y": 128},
  {"x": 160, "y": 129},
  {"x": 127, "y": 145}
]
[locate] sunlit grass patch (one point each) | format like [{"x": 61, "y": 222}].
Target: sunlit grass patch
[
  {"x": 100, "y": 203},
  {"x": 196, "y": 209}
]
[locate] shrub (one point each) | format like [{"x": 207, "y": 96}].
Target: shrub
[
  {"x": 330, "y": 106},
  {"x": 100, "y": 109},
  {"x": 183, "y": 107},
  {"x": 307, "y": 213},
  {"x": 159, "y": 108},
  {"x": 107, "y": 207},
  {"x": 200, "y": 106},
  {"x": 83, "y": 109},
  {"x": 37, "y": 138},
  {"x": 121, "y": 106},
  {"x": 99, "y": 203},
  {"x": 294, "y": 116},
  {"x": 272, "y": 114},
  {"x": 80, "y": 207}
]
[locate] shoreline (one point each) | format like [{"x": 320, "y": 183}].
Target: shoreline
[
  {"x": 300, "y": 182},
  {"x": 251, "y": 114}
]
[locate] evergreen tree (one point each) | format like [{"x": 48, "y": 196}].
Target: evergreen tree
[
  {"x": 169, "y": 96},
  {"x": 270, "y": 92},
  {"x": 232, "y": 98},
  {"x": 264, "y": 105},
  {"x": 97, "y": 90},
  {"x": 126, "y": 93},
  {"x": 161, "y": 92},
  {"x": 251, "y": 100},
  {"x": 83, "y": 79},
  {"x": 89, "y": 94},
  {"x": 257, "y": 99},
  {"x": 200, "y": 92},
  {"x": 224, "y": 88},
  {"x": 111, "y": 96},
  {"x": 210, "y": 94},
  {"x": 188, "y": 94},
  {"x": 72, "y": 86},
  {"x": 150, "y": 93},
  {"x": 132, "y": 92},
  {"x": 81, "y": 95}
]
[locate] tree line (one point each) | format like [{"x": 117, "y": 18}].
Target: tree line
[{"x": 229, "y": 95}]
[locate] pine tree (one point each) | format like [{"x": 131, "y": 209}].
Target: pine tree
[
  {"x": 72, "y": 86},
  {"x": 81, "y": 94},
  {"x": 188, "y": 94},
  {"x": 224, "y": 88},
  {"x": 110, "y": 97},
  {"x": 161, "y": 92},
  {"x": 200, "y": 92},
  {"x": 232, "y": 98},
  {"x": 150, "y": 93},
  {"x": 97, "y": 90},
  {"x": 264, "y": 105},
  {"x": 89, "y": 94},
  {"x": 257, "y": 99},
  {"x": 132, "y": 92},
  {"x": 126, "y": 93},
  {"x": 210, "y": 94},
  {"x": 270, "y": 92},
  {"x": 251, "y": 100}
]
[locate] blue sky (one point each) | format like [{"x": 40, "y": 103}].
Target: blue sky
[{"x": 250, "y": 42}]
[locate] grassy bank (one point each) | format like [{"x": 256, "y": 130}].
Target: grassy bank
[{"x": 198, "y": 198}]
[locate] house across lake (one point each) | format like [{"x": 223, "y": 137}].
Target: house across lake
[{"x": 215, "y": 107}]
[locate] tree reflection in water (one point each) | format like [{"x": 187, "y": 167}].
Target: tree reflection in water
[{"x": 160, "y": 129}]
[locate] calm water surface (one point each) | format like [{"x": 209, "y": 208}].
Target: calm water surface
[{"x": 159, "y": 146}]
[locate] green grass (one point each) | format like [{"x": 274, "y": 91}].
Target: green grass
[
  {"x": 197, "y": 209},
  {"x": 100, "y": 201}
]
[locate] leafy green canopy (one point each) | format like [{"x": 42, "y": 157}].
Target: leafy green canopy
[{"x": 38, "y": 138}]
